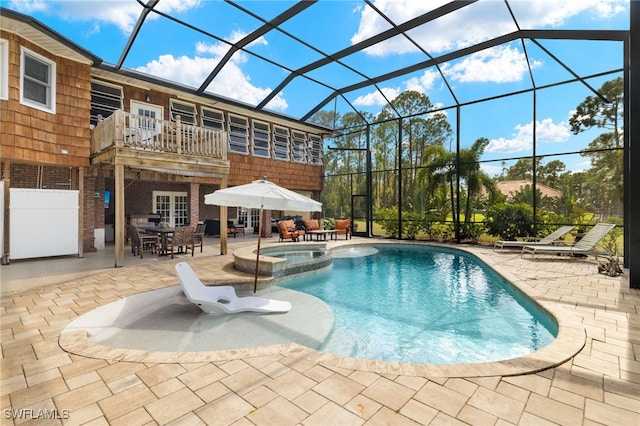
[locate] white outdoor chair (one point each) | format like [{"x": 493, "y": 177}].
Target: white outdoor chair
[{"x": 223, "y": 299}]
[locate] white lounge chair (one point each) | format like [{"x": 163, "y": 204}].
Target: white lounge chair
[
  {"x": 552, "y": 238},
  {"x": 585, "y": 246},
  {"x": 223, "y": 299}
]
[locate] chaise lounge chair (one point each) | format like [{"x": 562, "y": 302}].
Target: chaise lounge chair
[
  {"x": 223, "y": 299},
  {"x": 583, "y": 247},
  {"x": 552, "y": 238}
]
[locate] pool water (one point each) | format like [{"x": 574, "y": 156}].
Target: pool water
[{"x": 421, "y": 304}]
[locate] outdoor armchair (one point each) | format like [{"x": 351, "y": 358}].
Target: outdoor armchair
[
  {"x": 311, "y": 225},
  {"x": 287, "y": 230},
  {"x": 343, "y": 227}
]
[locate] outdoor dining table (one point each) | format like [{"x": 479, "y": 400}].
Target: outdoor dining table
[{"x": 164, "y": 234}]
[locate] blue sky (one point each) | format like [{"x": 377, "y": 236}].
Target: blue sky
[{"x": 167, "y": 50}]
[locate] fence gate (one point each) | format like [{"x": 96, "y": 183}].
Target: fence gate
[
  {"x": 359, "y": 216},
  {"x": 43, "y": 222}
]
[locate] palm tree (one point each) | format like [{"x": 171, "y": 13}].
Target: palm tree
[
  {"x": 440, "y": 170},
  {"x": 470, "y": 171}
]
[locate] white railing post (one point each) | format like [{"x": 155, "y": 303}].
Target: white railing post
[
  {"x": 178, "y": 135},
  {"x": 119, "y": 127}
]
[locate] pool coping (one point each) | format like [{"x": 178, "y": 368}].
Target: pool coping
[{"x": 570, "y": 340}]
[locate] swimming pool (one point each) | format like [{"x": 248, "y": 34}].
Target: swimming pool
[{"x": 422, "y": 304}]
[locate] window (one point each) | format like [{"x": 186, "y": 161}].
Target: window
[
  {"x": 299, "y": 146},
  {"x": 261, "y": 139},
  {"x": 212, "y": 119},
  {"x": 105, "y": 98},
  {"x": 238, "y": 134},
  {"x": 4, "y": 69},
  {"x": 280, "y": 143},
  {"x": 315, "y": 149},
  {"x": 37, "y": 81},
  {"x": 187, "y": 112}
]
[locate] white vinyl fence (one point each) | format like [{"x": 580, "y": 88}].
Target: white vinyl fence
[
  {"x": 2, "y": 183},
  {"x": 43, "y": 222}
]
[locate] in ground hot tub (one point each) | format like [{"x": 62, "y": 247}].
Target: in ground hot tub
[{"x": 279, "y": 260}]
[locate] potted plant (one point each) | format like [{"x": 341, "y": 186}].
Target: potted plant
[{"x": 609, "y": 261}]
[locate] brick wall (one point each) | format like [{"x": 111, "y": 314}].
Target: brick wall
[{"x": 93, "y": 210}]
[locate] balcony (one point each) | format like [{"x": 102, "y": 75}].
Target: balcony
[{"x": 160, "y": 145}]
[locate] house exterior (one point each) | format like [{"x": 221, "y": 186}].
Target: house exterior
[
  {"x": 509, "y": 188},
  {"x": 106, "y": 147}
]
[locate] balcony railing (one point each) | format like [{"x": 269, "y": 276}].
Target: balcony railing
[{"x": 125, "y": 130}]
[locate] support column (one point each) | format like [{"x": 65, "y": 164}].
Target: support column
[
  {"x": 223, "y": 221},
  {"x": 633, "y": 128},
  {"x": 194, "y": 210},
  {"x": 81, "y": 212},
  {"x": 120, "y": 220},
  {"x": 6, "y": 173}
]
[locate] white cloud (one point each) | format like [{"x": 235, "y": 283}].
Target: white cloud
[
  {"x": 29, "y": 6},
  {"x": 469, "y": 25},
  {"x": 581, "y": 166},
  {"x": 546, "y": 131},
  {"x": 490, "y": 170},
  {"x": 420, "y": 84},
  {"x": 376, "y": 98},
  {"x": 552, "y": 13},
  {"x": 231, "y": 82},
  {"x": 423, "y": 83},
  {"x": 501, "y": 64},
  {"x": 122, "y": 14}
]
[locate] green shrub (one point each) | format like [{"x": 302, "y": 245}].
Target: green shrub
[
  {"x": 388, "y": 219},
  {"x": 471, "y": 231},
  {"x": 509, "y": 221}
]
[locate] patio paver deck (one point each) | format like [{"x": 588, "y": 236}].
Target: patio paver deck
[{"x": 600, "y": 385}]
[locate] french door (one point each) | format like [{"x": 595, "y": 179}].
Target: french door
[
  {"x": 173, "y": 206},
  {"x": 148, "y": 122},
  {"x": 249, "y": 217}
]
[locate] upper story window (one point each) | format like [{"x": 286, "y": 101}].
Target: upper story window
[
  {"x": 261, "y": 139},
  {"x": 212, "y": 119},
  {"x": 315, "y": 149},
  {"x": 105, "y": 99},
  {"x": 299, "y": 146},
  {"x": 238, "y": 134},
  {"x": 187, "y": 112},
  {"x": 4, "y": 69},
  {"x": 37, "y": 81},
  {"x": 280, "y": 143}
]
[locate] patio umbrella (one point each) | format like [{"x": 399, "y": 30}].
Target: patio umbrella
[{"x": 262, "y": 194}]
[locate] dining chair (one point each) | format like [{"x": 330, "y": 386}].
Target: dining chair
[
  {"x": 181, "y": 241},
  {"x": 198, "y": 235},
  {"x": 142, "y": 242}
]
